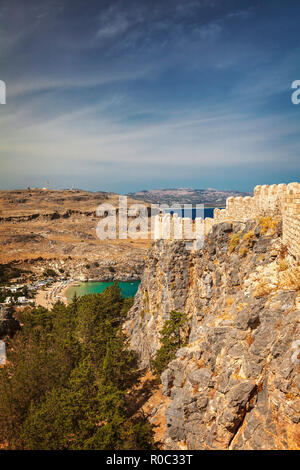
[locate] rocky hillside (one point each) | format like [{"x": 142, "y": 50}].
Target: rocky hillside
[
  {"x": 237, "y": 383},
  {"x": 209, "y": 197},
  {"x": 57, "y": 229}
]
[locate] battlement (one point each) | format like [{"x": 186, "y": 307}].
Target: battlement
[{"x": 280, "y": 201}]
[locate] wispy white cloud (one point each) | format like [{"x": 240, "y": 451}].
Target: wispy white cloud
[
  {"x": 197, "y": 140},
  {"x": 178, "y": 85},
  {"x": 42, "y": 84},
  {"x": 112, "y": 26}
]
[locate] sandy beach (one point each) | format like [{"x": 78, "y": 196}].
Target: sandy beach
[{"x": 57, "y": 291}]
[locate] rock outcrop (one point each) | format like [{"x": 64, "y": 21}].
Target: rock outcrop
[{"x": 236, "y": 385}]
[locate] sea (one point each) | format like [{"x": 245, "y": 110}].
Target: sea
[
  {"x": 192, "y": 213},
  {"x": 128, "y": 289}
]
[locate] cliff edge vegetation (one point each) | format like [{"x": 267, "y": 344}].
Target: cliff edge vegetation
[
  {"x": 236, "y": 383},
  {"x": 68, "y": 377}
]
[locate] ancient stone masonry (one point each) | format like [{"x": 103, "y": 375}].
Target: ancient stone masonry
[
  {"x": 236, "y": 384},
  {"x": 282, "y": 202},
  {"x": 279, "y": 201},
  {"x": 291, "y": 219}
]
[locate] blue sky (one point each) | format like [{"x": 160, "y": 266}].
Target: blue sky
[{"x": 129, "y": 95}]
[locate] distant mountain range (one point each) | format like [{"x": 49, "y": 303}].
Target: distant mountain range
[{"x": 209, "y": 197}]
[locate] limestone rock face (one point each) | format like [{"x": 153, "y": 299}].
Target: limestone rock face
[{"x": 236, "y": 385}]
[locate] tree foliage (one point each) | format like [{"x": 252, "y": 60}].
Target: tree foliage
[
  {"x": 173, "y": 336},
  {"x": 69, "y": 370}
]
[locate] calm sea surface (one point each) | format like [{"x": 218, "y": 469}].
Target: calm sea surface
[
  {"x": 191, "y": 213},
  {"x": 128, "y": 289}
]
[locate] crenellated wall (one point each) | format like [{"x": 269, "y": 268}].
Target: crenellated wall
[
  {"x": 235, "y": 385},
  {"x": 267, "y": 201},
  {"x": 279, "y": 201},
  {"x": 291, "y": 219}
]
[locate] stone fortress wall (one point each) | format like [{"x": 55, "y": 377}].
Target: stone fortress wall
[{"x": 280, "y": 201}]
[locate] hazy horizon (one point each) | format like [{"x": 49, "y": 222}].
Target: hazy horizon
[{"x": 125, "y": 193}]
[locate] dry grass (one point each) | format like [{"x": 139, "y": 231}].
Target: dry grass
[
  {"x": 240, "y": 306},
  {"x": 74, "y": 235},
  {"x": 268, "y": 224},
  {"x": 234, "y": 241},
  {"x": 290, "y": 278},
  {"x": 142, "y": 314},
  {"x": 249, "y": 238},
  {"x": 229, "y": 301},
  {"x": 249, "y": 339},
  {"x": 243, "y": 251},
  {"x": 146, "y": 298},
  {"x": 283, "y": 251},
  {"x": 262, "y": 289},
  {"x": 10, "y": 257},
  {"x": 283, "y": 264},
  {"x": 248, "y": 242}
]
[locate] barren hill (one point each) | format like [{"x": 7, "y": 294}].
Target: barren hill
[
  {"x": 57, "y": 229},
  {"x": 209, "y": 197}
]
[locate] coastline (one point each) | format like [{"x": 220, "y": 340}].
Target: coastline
[
  {"x": 65, "y": 290},
  {"x": 57, "y": 291}
]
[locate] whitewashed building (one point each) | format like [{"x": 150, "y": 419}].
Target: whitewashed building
[{"x": 2, "y": 353}]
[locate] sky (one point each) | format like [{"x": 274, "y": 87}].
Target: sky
[{"x": 129, "y": 95}]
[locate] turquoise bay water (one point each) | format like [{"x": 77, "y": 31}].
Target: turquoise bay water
[{"x": 129, "y": 289}]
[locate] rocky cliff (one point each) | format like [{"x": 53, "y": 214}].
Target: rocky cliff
[{"x": 237, "y": 383}]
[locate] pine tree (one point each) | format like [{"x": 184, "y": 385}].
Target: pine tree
[
  {"x": 173, "y": 336},
  {"x": 67, "y": 416},
  {"x": 68, "y": 373},
  {"x": 119, "y": 364}
]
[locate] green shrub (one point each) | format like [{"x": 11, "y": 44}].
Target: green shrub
[
  {"x": 67, "y": 379},
  {"x": 172, "y": 337},
  {"x": 50, "y": 273}
]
